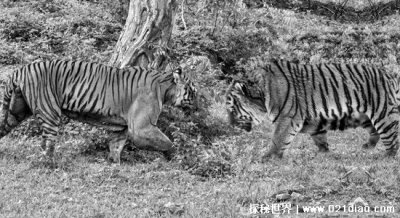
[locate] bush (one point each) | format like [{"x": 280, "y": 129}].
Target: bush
[{"x": 59, "y": 29}]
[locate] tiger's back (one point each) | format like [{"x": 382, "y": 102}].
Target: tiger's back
[
  {"x": 328, "y": 92},
  {"x": 84, "y": 87}
]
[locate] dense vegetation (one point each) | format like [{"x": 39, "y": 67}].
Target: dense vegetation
[{"x": 216, "y": 41}]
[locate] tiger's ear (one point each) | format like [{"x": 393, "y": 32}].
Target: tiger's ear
[
  {"x": 178, "y": 75},
  {"x": 240, "y": 86}
]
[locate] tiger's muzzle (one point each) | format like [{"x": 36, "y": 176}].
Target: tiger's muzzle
[
  {"x": 240, "y": 122},
  {"x": 245, "y": 125},
  {"x": 188, "y": 105}
]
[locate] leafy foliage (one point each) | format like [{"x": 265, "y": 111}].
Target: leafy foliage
[{"x": 53, "y": 29}]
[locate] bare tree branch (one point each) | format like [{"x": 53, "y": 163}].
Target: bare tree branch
[{"x": 182, "y": 11}]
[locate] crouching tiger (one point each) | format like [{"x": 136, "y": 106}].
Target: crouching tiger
[
  {"x": 316, "y": 98},
  {"x": 128, "y": 101}
]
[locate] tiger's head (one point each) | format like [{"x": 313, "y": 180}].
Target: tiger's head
[
  {"x": 245, "y": 105},
  {"x": 186, "y": 92}
]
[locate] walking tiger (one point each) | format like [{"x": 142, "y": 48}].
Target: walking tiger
[
  {"x": 125, "y": 100},
  {"x": 316, "y": 98}
]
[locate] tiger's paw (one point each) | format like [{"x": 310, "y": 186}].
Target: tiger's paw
[
  {"x": 391, "y": 153},
  {"x": 3, "y": 132},
  {"x": 323, "y": 147},
  {"x": 271, "y": 155},
  {"x": 114, "y": 157},
  {"x": 169, "y": 154},
  {"x": 368, "y": 146},
  {"x": 45, "y": 160}
]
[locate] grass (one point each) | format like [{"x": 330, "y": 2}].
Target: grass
[{"x": 83, "y": 184}]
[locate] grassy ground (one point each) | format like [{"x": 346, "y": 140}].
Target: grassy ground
[{"x": 83, "y": 184}]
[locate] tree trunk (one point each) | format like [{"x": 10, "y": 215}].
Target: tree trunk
[{"x": 146, "y": 35}]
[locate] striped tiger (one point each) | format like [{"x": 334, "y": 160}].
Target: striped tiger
[
  {"x": 316, "y": 98},
  {"x": 127, "y": 101}
]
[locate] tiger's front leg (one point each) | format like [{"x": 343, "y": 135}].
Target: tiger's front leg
[
  {"x": 49, "y": 121},
  {"x": 142, "y": 130},
  {"x": 373, "y": 135},
  {"x": 116, "y": 145},
  {"x": 285, "y": 131},
  {"x": 151, "y": 138}
]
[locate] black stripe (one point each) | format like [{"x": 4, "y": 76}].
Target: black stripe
[
  {"x": 370, "y": 100},
  {"x": 353, "y": 78},
  {"x": 140, "y": 71},
  {"x": 378, "y": 94},
  {"x": 287, "y": 93},
  {"x": 146, "y": 75},
  {"x": 305, "y": 89},
  {"x": 357, "y": 72},
  {"x": 333, "y": 76},
  {"x": 383, "y": 112},
  {"x": 389, "y": 127},
  {"x": 393, "y": 134},
  {"x": 77, "y": 72},
  {"x": 321, "y": 72},
  {"x": 94, "y": 104},
  {"x": 324, "y": 103},
  {"x": 346, "y": 93},
  {"x": 82, "y": 93},
  {"x": 154, "y": 79},
  {"x": 357, "y": 100},
  {"x": 113, "y": 74},
  {"x": 337, "y": 100},
  {"x": 334, "y": 123},
  {"x": 294, "y": 82}
]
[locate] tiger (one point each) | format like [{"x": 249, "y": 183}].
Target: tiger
[
  {"x": 126, "y": 101},
  {"x": 315, "y": 98}
]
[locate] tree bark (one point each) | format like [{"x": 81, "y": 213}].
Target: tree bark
[{"x": 146, "y": 36}]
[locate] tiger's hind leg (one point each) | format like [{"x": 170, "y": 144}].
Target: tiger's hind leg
[
  {"x": 285, "y": 131},
  {"x": 49, "y": 117},
  {"x": 320, "y": 140},
  {"x": 14, "y": 111},
  {"x": 387, "y": 129},
  {"x": 373, "y": 135},
  {"x": 50, "y": 125}
]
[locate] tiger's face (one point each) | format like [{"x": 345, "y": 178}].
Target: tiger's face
[
  {"x": 243, "y": 108},
  {"x": 186, "y": 91},
  {"x": 237, "y": 115}
]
